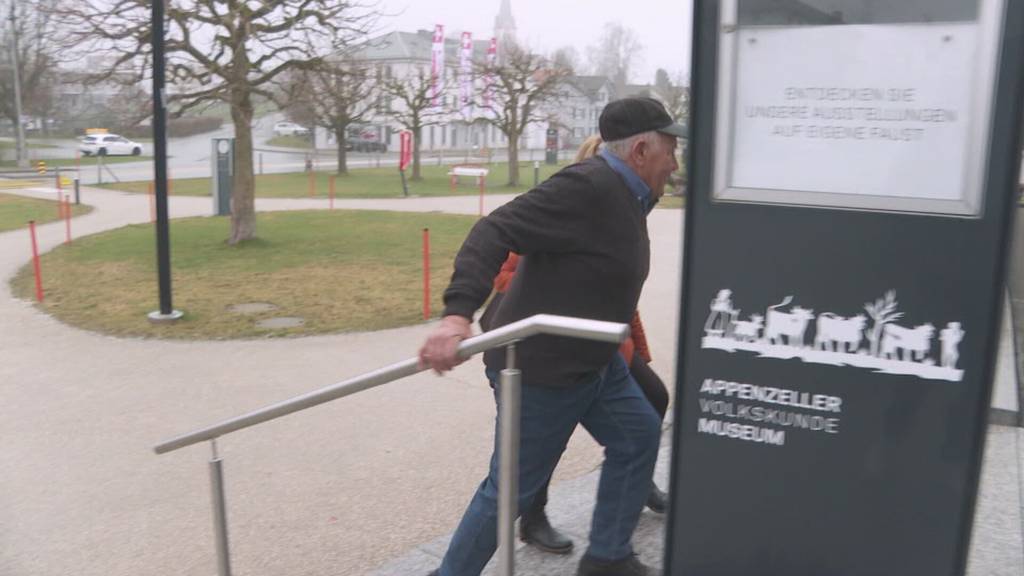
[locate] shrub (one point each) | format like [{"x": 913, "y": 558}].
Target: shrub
[{"x": 176, "y": 127}]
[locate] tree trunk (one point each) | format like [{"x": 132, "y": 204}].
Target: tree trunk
[
  {"x": 416, "y": 153},
  {"x": 513, "y": 159},
  {"x": 243, "y": 191},
  {"x": 339, "y": 139}
]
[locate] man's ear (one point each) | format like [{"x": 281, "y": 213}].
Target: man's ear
[{"x": 640, "y": 150}]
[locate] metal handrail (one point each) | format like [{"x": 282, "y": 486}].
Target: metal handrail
[
  {"x": 537, "y": 324},
  {"x": 509, "y": 415}
]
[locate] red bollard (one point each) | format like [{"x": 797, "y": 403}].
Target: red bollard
[
  {"x": 480, "y": 181},
  {"x": 67, "y": 219},
  {"x": 331, "y": 189},
  {"x": 312, "y": 183},
  {"x": 35, "y": 261},
  {"x": 426, "y": 273}
]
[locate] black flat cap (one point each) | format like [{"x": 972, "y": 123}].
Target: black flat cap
[{"x": 623, "y": 118}]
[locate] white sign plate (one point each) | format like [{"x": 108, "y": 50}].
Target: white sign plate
[
  {"x": 866, "y": 116},
  {"x": 879, "y": 110}
]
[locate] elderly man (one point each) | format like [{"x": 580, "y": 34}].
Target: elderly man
[{"x": 582, "y": 235}]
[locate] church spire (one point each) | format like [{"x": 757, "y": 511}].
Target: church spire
[{"x": 505, "y": 25}]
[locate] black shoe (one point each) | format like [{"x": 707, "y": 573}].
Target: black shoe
[
  {"x": 537, "y": 531},
  {"x": 628, "y": 566},
  {"x": 657, "y": 501}
]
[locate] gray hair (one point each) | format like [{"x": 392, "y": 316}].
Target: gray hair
[{"x": 622, "y": 147}]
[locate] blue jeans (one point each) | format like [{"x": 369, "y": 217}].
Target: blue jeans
[{"x": 614, "y": 411}]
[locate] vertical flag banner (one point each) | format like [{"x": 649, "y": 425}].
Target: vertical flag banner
[
  {"x": 437, "y": 65},
  {"x": 405, "y": 154},
  {"x": 466, "y": 75},
  {"x": 492, "y": 59}
]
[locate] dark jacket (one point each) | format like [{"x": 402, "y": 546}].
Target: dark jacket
[{"x": 585, "y": 253}]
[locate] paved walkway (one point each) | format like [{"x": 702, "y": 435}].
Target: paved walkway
[
  {"x": 367, "y": 483},
  {"x": 340, "y": 489}
]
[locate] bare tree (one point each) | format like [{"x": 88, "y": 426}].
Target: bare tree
[
  {"x": 41, "y": 101},
  {"x": 415, "y": 109},
  {"x": 335, "y": 95},
  {"x": 674, "y": 94},
  {"x": 567, "y": 57},
  {"x": 130, "y": 107},
  {"x": 37, "y": 58},
  {"x": 220, "y": 51},
  {"x": 520, "y": 89},
  {"x": 615, "y": 54}
]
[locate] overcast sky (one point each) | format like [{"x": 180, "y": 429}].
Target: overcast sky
[{"x": 663, "y": 26}]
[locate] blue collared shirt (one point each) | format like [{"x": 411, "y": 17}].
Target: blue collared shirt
[{"x": 636, "y": 185}]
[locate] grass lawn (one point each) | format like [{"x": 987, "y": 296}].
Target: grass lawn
[
  {"x": 11, "y": 144},
  {"x": 290, "y": 141},
  {"x": 16, "y": 211},
  {"x": 85, "y": 163},
  {"x": 339, "y": 270},
  {"x": 360, "y": 183},
  {"x": 670, "y": 202}
]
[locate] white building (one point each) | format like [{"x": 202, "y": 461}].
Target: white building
[
  {"x": 407, "y": 55},
  {"x": 575, "y": 115}
]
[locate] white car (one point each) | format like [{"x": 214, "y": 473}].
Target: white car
[
  {"x": 290, "y": 129},
  {"x": 109, "y": 145}
]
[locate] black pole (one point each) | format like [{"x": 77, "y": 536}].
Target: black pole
[{"x": 163, "y": 243}]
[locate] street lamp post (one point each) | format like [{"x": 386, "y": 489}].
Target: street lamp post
[
  {"x": 166, "y": 313},
  {"x": 22, "y": 156}
]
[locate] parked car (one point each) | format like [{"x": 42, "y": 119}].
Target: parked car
[
  {"x": 290, "y": 129},
  {"x": 365, "y": 142},
  {"x": 109, "y": 145}
]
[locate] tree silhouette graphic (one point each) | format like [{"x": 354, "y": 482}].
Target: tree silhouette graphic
[{"x": 882, "y": 312}]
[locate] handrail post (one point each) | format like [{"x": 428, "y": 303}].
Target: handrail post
[
  {"x": 508, "y": 470},
  {"x": 220, "y": 517}
]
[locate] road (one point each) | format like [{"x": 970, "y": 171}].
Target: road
[{"x": 189, "y": 157}]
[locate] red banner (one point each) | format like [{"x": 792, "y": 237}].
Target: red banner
[
  {"x": 466, "y": 76},
  {"x": 492, "y": 59},
  {"x": 405, "y": 153},
  {"x": 437, "y": 66}
]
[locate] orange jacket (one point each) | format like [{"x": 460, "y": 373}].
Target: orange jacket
[{"x": 636, "y": 343}]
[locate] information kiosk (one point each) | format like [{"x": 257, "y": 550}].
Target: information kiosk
[
  {"x": 853, "y": 167},
  {"x": 223, "y": 170}
]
